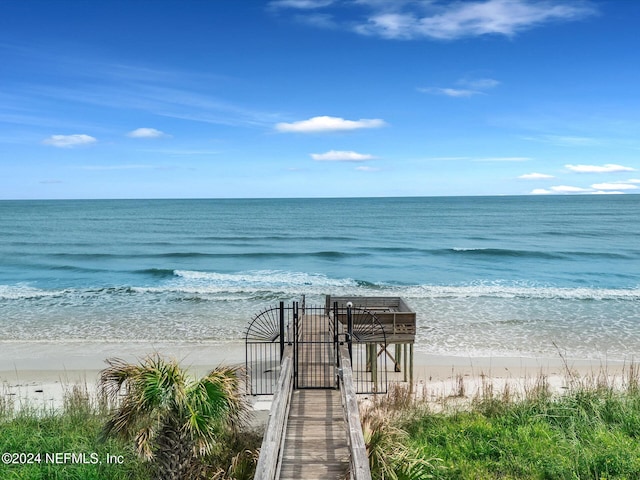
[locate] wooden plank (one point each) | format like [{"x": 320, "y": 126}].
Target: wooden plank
[{"x": 315, "y": 443}]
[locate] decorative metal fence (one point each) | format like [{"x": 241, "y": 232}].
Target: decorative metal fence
[
  {"x": 367, "y": 342},
  {"x": 315, "y": 334},
  {"x": 265, "y": 340}
]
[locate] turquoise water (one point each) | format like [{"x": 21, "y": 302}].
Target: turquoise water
[{"x": 486, "y": 275}]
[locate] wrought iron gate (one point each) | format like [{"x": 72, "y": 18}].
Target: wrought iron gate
[
  {"x": 315, "y": 353},
  {"x": 314, "y": 334}
]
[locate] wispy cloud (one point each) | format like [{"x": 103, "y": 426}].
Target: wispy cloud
[
  {"x": 146, "y": 133},
  {"x": 535, "y": 176},
  {"x": 470, "y": 88},
  {"x": 341, "y": 156},
  {"x": 449, "y": 92},
  {"x": 444, "y": 20},
  {"x": 566, "y": 140},
  {"x": 479, "y": 83},
  {"x": 614, "y": 186},
  {"x": 608, "y": 168},
  {"x": 328, "y": 124},
  {"x": 366, "y": 168},
  {"x": 300, "y": 4},
  {"x": 173, "y": 94},
  {"x": 596, "y": 188},
  {"x": 69, "y": 141}
]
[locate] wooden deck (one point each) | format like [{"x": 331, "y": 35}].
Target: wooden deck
[{"x": 316, "y": 445}]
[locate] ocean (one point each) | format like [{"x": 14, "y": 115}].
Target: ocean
[{"x": 487, "y": 276}]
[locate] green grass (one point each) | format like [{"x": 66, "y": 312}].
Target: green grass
[
  {"x": 76, "y": 429},
  {"x": 591, "y": 432}
]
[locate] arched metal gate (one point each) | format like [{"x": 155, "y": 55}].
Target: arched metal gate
[{"x": 315, "y": 333}]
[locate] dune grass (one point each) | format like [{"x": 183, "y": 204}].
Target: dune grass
[
  {"x": 41, "y": 433},
  {"x": 77, "y": 429},
  {"x": 591, "y": 431}
]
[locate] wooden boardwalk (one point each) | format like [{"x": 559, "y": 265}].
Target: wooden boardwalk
[
  {"x": 314, "y": 431},
  {"x": 316, "y": 445}
]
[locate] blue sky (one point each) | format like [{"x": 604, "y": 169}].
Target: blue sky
[{"x": 318, "y": 98}]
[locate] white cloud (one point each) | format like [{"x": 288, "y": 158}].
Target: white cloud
[
  {"x": 540, "y": 191},
  {"x": 535, "y": 176},
  {"x": 568, "y": 189},
  {"x": 453, "y": 20},
  {"x": 633, "y": 180},
  {"x": 328, "y": 124},
  {"x": 341, "y": 156},
  {"x": 608, "y": 168},
  {"x": 614, "y": 186},
  {"x": 69, "y": 141},
  {"x": 365, "y": 168},
  {"x": 146, "y": 133}
]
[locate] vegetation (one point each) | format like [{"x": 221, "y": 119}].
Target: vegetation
[
  {"x": 590, "y": 432},
  {"x": 75, "y": 429},
  {"x": 149, "y": 421},
  {"x": 175, "y": 421}
]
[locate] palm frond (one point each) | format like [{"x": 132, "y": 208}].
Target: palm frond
[
  {"x": 172, "y": 419},
  {"x": 115, "y": 376}
]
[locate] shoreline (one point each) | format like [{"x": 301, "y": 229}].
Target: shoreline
[{"x": 39, "y": 374}]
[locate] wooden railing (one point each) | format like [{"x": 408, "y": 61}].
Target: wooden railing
[
  {"x": 269, "y": 461},
  {"x": 359, "y": 460}
]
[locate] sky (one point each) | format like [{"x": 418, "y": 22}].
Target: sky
[{"x": 318, "y": 98}]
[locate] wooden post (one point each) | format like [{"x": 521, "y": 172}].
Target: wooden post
[
  {"x": 404, "y": 360},
  {"x": 411, "y": 367}
]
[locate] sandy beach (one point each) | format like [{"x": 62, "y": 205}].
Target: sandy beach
[{"x": 38, "y": 374}]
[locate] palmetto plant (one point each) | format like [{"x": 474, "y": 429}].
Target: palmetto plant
[{"x": 173, "y": 419}]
